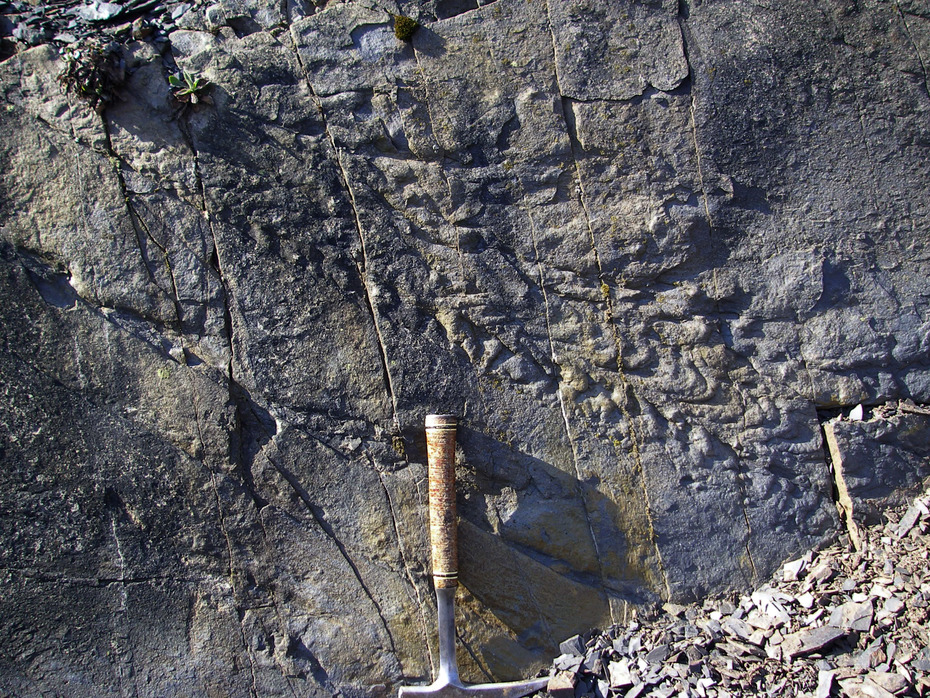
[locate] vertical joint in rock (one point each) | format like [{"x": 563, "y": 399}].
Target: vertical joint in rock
[
  {"x": 555, "y": 62},
  {"x": 920, "y": 58},
  {"x": 317, "y": 516},
  {"x": 362, "y": 265},
  {"x": 562, "y": 406},
  {"x": 410, "y": 577},
  {"x": 700, "y": 167},
  {"x": 140, "y": 229},
  {"x": 248, "y": 414},
  {"x": 639, "y": 472},
  {"x": 215, "y": 261},
  {"x": 741, "y": 488},
  {"x": 575, "y": 146},
  {"x": 479, "y": 662},
  {"x": 363, "y": 270},
  {"x": 752, "y": 563},
  {"x": 253, "y": 688}
]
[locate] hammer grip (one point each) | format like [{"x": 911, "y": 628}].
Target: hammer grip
[{"x": 440, "y": 456}]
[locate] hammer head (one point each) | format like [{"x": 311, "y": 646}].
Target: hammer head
[{"x": 443, "y": 688}]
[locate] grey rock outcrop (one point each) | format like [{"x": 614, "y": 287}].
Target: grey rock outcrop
[{"x": 635, "y": 245}]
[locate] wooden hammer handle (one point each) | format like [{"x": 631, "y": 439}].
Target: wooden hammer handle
[{"x": 440, "y": 456}]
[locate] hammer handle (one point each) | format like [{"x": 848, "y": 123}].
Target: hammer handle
[{"x": 440, "y": 455}]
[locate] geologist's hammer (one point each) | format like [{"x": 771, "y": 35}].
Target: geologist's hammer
[{"x": 440, "y": 454}]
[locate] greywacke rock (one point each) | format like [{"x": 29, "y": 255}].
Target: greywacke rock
[{"x": 636, "y": 246}]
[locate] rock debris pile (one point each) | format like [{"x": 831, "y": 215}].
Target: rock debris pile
[
  {"x": 69, "y": 22},
  {"x": 837, "y": 622}
]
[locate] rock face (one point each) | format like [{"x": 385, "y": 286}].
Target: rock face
[{"x": 634, "y": 245}]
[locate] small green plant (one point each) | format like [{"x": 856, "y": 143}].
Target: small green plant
[
  {"x": 94, "y": 71},
  {"x": 189, "y": 88},
  {"x": 404, "y": 27}
]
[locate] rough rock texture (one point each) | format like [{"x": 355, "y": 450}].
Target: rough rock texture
[{"x": 635, "y": 245}]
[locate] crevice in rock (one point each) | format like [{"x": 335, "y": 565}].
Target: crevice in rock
[
  {"x": 230, "y": 377},
  {"x": 120, "y": 640},
  {"x": 222, "y": 521},
  {"x": 40, "y": 577},
  {"x": 639, "y": 470},
  {"x": 474, "y": 655},
  {"x": 421, "y": 606},
  {"x": 689, "y": 84},
  {"x": 920, "y": 58},
  {"x": 316, "y": 514},
  {"x": 362, "y": 264},
  {"x": 51, "y": 279},
  {"x": 648, "y": 92},
  {"x": 752, "y": 563},
  {"x": 141, "y": 229},
  {"x": 298, "y": 650},
  {"x": 272, "y": 591},
  {"x": 555, "y": 53},
  {"x": 252, "y": 424},
  {"x": 253, "y": 689},
  {"x": 440, "y": 153},
  {"x": 563, "y": 408},
  {"x": 447, "y": 9},
  {"x": 741, "y": 488},
  {"x": 254, "y": 428},
  {"x": 859, "y": 478},
  {"x": 215, "y": 262},
  {"x": 240, "y": 617}
]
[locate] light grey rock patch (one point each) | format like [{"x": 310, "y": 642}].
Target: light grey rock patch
[{"x": 616, "y": 50}]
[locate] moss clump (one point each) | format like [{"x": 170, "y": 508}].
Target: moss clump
[
  {"x": 95, "y": 71},
  {"x": 404, "y": 27}
]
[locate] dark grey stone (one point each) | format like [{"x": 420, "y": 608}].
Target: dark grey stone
[
  {"x": 658, "y": 654},
  {"x": 573, "y": 646}
]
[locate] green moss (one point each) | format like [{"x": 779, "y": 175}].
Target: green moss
[{"x": 404, "y": 27}]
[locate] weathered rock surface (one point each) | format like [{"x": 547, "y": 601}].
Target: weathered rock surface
[{"x": 635, "y": 245}]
